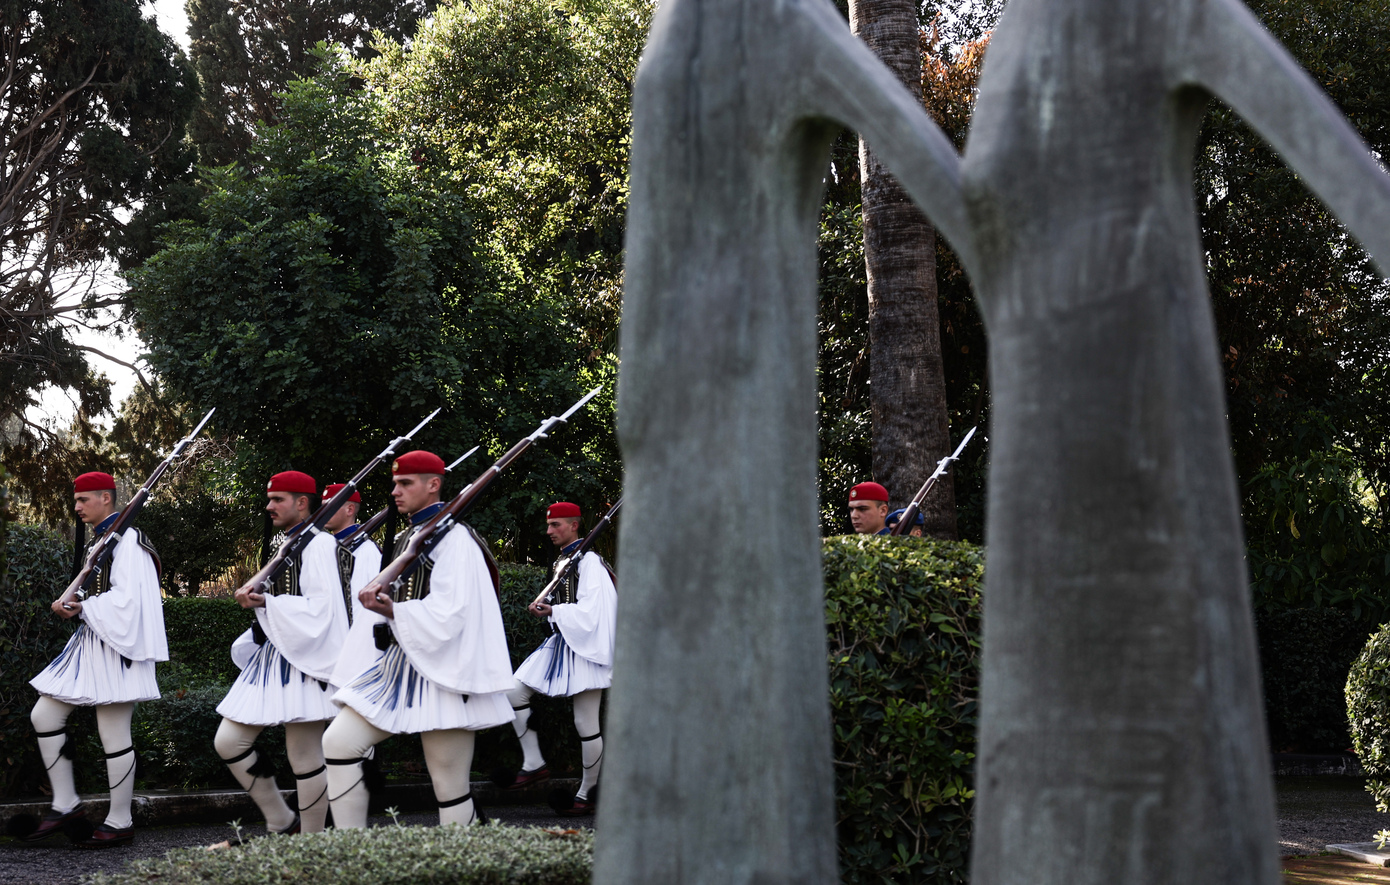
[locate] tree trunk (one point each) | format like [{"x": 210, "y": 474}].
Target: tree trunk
[{"x": 907, "y": 388}]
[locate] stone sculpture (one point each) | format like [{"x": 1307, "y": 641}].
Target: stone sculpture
[{"x": 1121, "y": 733}]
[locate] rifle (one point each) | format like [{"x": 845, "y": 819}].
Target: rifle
[
  {"x": 433, "y": 530},
  {"x": 300, "y": 537},
  {"x": 104, "y": 547},
  {"x": 578, "y": 554},
  {"x": 911, "y": 510},
  {"x": 379, "y": 517}
]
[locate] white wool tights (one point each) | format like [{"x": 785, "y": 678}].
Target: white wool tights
[
  {"x": 586, "y": 707},
  {"x": 50, "y": 719},
  {"x": 233, "y": 743},
  {"x": 349, "y": 740}
]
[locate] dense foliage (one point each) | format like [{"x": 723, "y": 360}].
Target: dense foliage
[
  {"x": 95, "y": 99},
  {"x": 903, "y": 616},
  {"x": 449, "y": 855},
  {"x": 1368, "y": 713},
  {"x": 30, "y": 636},
  {"x": 367, "y": 273}
]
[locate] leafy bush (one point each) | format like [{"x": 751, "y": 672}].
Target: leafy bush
[
  {"x": 201, "y": 631},
  {"x": 903, "y": 616},
  {"x": 449, "y": 855},
  {"x": 192, "y": 532},
  {"x": 30, "y": 637},
  {"x": 1368, "y": 713},
  {"x": 1304, "y": 658}
]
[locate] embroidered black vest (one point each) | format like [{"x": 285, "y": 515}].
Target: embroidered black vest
[
  {"x": 101, "y": 575},
  {"x": 568, "y": 591}
]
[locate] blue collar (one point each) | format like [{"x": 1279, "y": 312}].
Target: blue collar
[
  {"x": 886, "y": 531},
  {"x": 421, "y": 515},
  {"x": 347, "y": 532},
  {"x": 105, "y": 524},
  {"x": 570, "y": 547}
]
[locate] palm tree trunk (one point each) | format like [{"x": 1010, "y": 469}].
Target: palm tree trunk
[{"x": 907, "y": 388}]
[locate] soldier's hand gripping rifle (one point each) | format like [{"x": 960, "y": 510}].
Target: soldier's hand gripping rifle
[
  {"x": 564, "y": 571},
  {"x": 433, "y": 530},
  {"x": 910, "y": 512},
  {"x": 379, "y": 517},
  {"x": 104, "y": 547},
  {"x": 260, "y": 582}
]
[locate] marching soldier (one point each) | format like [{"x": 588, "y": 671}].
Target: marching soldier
[
  {"x": 287, "y": 659},
  {"x": 442, "y": 669},
  {"x": 576, "y": 661},
  {"x": 868, "y": 508},
  {"x": 109, "y": 663},
  {"x": 364, "y": 556}
]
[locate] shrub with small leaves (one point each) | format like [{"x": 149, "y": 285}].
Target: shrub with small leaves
[
  {"x": 1368, "y": 713},
  {"x": 903, "y": 616},
  {"x": 448, "y": 855}
]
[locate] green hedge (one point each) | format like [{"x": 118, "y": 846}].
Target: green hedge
[
  {"x": 903, "y": 616},
  {"x": 30, "y": 636},
  {"x": 1368, "y": 713},
  {"x": 449, "y": 855}
]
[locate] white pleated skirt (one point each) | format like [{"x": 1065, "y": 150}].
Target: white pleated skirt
[
  {"x": 392, "y": 695},
  {"x": 89, "y": 672},
  {"x": 555, "y": 670},
  {"x": 272, "y": 691}
]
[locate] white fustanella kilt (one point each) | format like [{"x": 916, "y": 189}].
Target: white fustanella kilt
[
  {"x": 272, "y": 691},
  {"x": 555, "y": 670},
  {"x": 90, "y": 672},
  {"x": 392, "y": 695}
]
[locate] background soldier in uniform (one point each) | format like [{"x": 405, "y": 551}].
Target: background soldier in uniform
[
  {"x": 575, "y": 661},
  {"x": 108, "y": 663},
  {"x": 286, "y": 659}
]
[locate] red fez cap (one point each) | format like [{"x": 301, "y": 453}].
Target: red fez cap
[
  {"x": 869, "y": 491},
  {"x": 294, "y": 482},
  {"x": 93, "y": 482},
  {"x": 332, "y": 490},
  {"x": 562, "y": 509},
  {"x": 418, "y": 462}
]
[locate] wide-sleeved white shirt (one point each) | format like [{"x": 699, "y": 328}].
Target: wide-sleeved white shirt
[
  {"x": 309, "y": 629},
  {"x": 129, "y": 617},
  {"x": 591, "y": 621}
]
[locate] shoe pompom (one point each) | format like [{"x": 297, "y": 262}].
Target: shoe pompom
[
  {"x": 78, "y": 829},
  {"x": 21, "y": 825},
  {"x": 560, "y": 799}
]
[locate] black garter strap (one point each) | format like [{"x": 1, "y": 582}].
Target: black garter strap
[
  {"x": 51, "y": 734},
  {"x": 340, "y": 762},
  {"x": 314, "y": 773},
  {"x": 459, "y": 801},
  {"x": 592, "y": 737},
  {"x": 525, "y": 706},
  {"x": 130, "y": 749},
  {"x": 361, "y": 780},
  {"x": 240, "y": 756}
]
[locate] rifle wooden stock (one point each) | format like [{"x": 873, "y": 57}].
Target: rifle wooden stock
[
  {"x": 584, "y": 547},
  {"x": 105, "y": 546},
  {"x": 909, "y": 514},
  {"x": 432, "y": 530},
  {"x": 300, "y": 538}
]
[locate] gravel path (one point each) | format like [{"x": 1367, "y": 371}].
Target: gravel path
[
  {"x": 1316, "y": 811},
  {"x": 60, "y": 864}
]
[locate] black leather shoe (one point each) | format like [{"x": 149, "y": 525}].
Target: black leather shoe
[
  {"x": 108, "y": 837},
  {"x": 292, "y": 829},
  {"x": 53, "y": 822}
]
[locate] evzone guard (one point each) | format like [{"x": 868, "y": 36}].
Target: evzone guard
[
  {"x": 286, "y": 661},
  {"x": 576, "y": 661},
  {"x": 440, "y": 667},
  {"x": 363, "y": 559},
  {"x": 109, "y": 664}
]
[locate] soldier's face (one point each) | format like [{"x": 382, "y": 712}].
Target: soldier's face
[
  {"x": 286, "y": 510},
  {"x": 92, "y": 507},
  {"x": 346, "y": 516},
  {"x": 562, "y": 531},
  {"x": 414, "y": 492},
  {"x": 867, "y": 516}
]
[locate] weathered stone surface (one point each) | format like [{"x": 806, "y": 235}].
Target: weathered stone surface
[{"x": 1121, "y": 721}]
